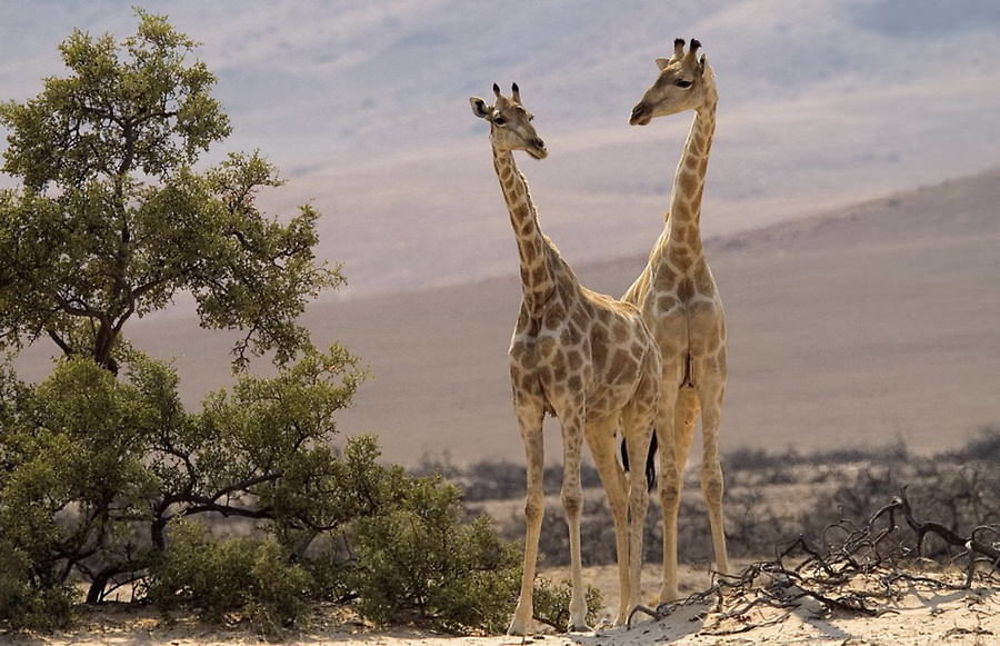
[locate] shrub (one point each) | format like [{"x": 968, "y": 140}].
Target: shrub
[
  {"x": 552, "y": 603},
  {"x": 23, "y": 604},
  {"x": 417, "y": 561},
  {"x": 238, "y": 575}
]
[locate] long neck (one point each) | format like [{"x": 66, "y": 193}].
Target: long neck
[
  {"x": 537, "y": 281},
  {"x": 689, "y": 180}
]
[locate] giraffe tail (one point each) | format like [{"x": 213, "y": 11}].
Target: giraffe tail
[{"x": 650, "y": 461}]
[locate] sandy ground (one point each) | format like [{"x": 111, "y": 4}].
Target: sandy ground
[{"x": 916, "y": 617}]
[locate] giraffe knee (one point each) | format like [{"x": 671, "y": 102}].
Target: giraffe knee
[
  {"x": 712, "y": 484},
  {"x": 670, "y": 491},
  {"x": 572, "y": 500},
  {"x": 533, "y": 509}
]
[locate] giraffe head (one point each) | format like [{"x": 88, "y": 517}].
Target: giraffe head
[
  {"x": 510, "y": 123},
  {"x": 685, "y": 82}
]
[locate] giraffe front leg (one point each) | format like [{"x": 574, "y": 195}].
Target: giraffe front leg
[
  {"x": 710, "y": 395},
  {"x": 530, "y": 420},
  {"x": 572, "y": 500}
]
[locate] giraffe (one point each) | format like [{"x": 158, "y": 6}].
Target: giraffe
[
  {"x": 680, "y": 302},
  {"x": 582, "y": 356}
]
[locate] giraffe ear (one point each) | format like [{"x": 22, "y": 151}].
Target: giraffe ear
[
  {"x": 479, "y": 107},
  {"x": 662, "y": 63},
  {"x": 702, "y": 62}
]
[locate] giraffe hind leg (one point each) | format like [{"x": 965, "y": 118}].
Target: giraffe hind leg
[
  {"x": 673, "y": 457},
  {"x": 602, "y": 446},
  {"x": 710, "y": 394}
]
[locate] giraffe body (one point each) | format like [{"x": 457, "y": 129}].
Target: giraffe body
[
  {"x": 680, "y": 302},
  {"x": 584, "y": 357}
]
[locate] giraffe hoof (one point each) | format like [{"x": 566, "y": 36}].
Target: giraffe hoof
[
  {"x": 580, "y": 627},
  {"x": 518, "y": 628}
]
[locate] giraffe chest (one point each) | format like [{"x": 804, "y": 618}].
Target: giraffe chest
[{"x": 573, "y": 365}]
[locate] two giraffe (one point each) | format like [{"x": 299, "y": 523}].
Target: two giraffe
[{"x": 656, "y": 358}]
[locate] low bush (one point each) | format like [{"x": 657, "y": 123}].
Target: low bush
[
  {"x": 417, "y": 561},
  {"x": 217, "y": 578},
  {"x": 24, "y": 603}
]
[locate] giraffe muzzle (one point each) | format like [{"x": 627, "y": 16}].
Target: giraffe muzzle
[
  {"x": 641, "y": 115},
  {"x": 537, "y": 149}
]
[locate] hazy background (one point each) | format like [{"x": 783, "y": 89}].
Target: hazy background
[{"x": 871, "y": 322}]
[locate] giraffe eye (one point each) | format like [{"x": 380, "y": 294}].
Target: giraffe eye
[
  {"x": 531, "y": 117},
  {"x": 499, "y": 121},
  {"x": 682, "y": 83}
]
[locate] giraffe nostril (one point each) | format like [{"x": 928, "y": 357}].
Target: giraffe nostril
[{"x": 539, "y": 143}]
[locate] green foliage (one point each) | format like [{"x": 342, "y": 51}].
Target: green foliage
[
  {"x": 418, "y": 561},
  {"x": 75, "y": 474},
  {"x": 95, "y": 467},
  {"x": 552, "y": 603},
  {"x": 238, "y": 575},
  {"x": 23, "y": 604},
  {"x": 111, "y": 220}
]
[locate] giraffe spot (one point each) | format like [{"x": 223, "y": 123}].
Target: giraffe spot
[
  {"x": 574, "y": 383},
  {"x": 691, "y": 163},
  {"x": 538, "y": 274},
  {"x": 544, "y": 375},
  {"x": 574, "y": 359},
  {"x": 580, "y": 318},
  {"x": 685, "y": 290},
  {"x": 688, "y": 183},
  {"x": 666, "y": 303},
  {"x": 629, "y": 371},
  {"x": 554, "y": 317},
  {"x": 619, "y": 363},
  {"x": 547, "y": 346},
  {"x": 599, "y": 345},
  {"x": 570, "y": 335},
  {"x": 521, "y": 212},
  {"x": 621, "y": 332},
  {"x": 559, "y": 369},
  {"x": 665, "y": 281}
]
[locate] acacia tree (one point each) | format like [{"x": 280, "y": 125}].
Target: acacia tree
[{"x": 112, "y": 220}]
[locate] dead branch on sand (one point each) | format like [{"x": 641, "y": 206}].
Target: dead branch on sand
[{"x": 870, "y": 566}]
